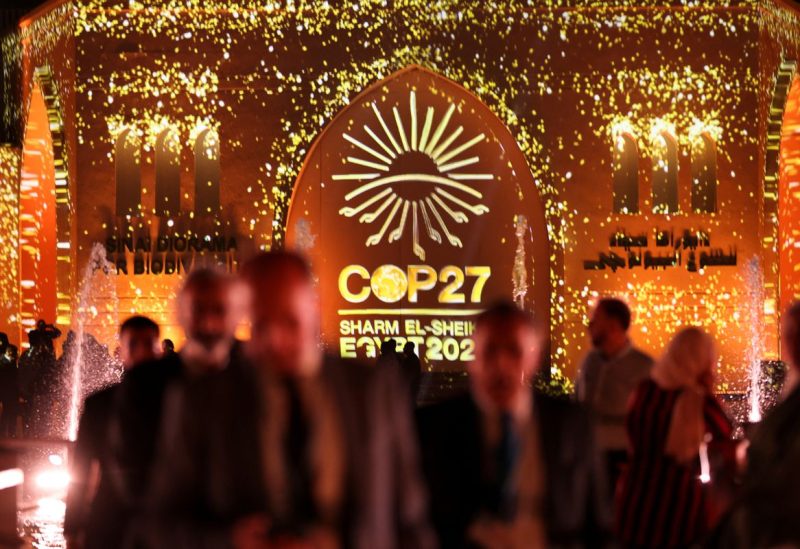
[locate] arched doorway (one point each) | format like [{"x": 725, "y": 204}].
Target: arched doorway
[
  {"x": 418, "y": 209},
  {"x": 37, "y": 218}
]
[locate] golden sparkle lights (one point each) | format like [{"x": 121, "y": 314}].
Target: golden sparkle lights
[{"x": 221, "y": 55}]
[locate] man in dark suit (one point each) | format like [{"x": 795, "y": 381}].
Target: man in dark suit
[
  {"x": 209, "y": 308},
  {"x": 299, "y": 450},
  {"x": 507, "y": 468},
  {"x": 95, "y": 516}
]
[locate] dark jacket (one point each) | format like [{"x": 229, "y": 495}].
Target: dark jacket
[
  {"x": 211, "y": 468},
  {"x": 103, "y": 520},
  {"x": 135, "y": 423},
  {"x": 574, "y": 514},
  {"x": 766, "y": 514}
]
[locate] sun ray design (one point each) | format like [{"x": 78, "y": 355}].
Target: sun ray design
[
  {"x": 423, "y": 177},
  {"x": 368, "y": 164},
  {"x": 350, "y": 212},
  {"x": 458, "y": 217},
  {"x": 440, "y": 130},
  {"x": 398, "y": 232},
  {"x": 460, "y": 164},
  {"x": 454, "y": 240},
  {"x": 458, "y": 150},
  {"x": 372, "y": 216},
  {"x": 376, "y": 238},
  {"x": 395, "y": 187},
  {"x": 413, "y": 103},
  {"x": 386, "y": 129},
  {"x": 471, "y": 176},
  {"x": 356, "y": 176},
  {"x": 368, "y": 149},
  {"x": 480, "y": 209},
  {"x": 400, "y": 129},
  {"x": 380, "y": 142},
  {"x": 433, "y": 233},
  {"x": 426, "y": 129},
  {"x": 447, "y": 142},
  {"x": 419, "y": 251}
]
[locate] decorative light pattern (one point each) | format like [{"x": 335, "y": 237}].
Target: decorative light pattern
[
  {"x": 448, "y": 158},
  {"x": 9, "y": 243},
  {"x": 565, "y": 77}
]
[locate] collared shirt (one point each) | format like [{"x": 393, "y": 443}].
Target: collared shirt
[{"x": 605, "y": 386}]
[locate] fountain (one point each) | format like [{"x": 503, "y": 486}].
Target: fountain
[
  {"x": 87, "y": 360},
  {"x": 754, "y": 282}
]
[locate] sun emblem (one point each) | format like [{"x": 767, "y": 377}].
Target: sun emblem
[{"x": 416, "y": 174}]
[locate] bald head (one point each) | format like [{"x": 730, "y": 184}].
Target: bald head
[{"x": 284, "y": 313}]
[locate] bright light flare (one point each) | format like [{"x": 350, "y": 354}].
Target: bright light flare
[
  {"x": 53, "y": 480},
  {"x": 11, "y": 477}
]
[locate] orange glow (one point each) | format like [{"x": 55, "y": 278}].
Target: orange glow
[
  {"x": 789, "y": 198},
  {"x": 37, "y": 219}
]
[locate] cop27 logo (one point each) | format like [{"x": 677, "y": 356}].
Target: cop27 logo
[{"x": 415, "y": 179}]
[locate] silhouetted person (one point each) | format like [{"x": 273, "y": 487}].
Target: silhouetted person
[
  {"x": 412, "y": 369},
  {"x": 209, "y": 308},
  {"x": 608, "y": 377},
  {"x": 46, "y": 407},
  {"x": 96, "y": 515},
  {"x": 388, "y": 356},
  {"x": 299, "y": 448},
  {"x": 507, "y": 467},
  {"x": 9, "y": 387},
  {"x": 167, "y": 347},
  {"x": 662, "y": 502},
  {"x": 767, "y": 513},
  {"x": 46, "y": 334}
]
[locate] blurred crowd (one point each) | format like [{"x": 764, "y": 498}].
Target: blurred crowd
[
  {"x": 272, "y": 443},
  {"x": 33, "y": 399}
]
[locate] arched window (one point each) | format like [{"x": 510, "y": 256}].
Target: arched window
[
  {"x": 127, "y": 155},
  {"x": 626, "y": 174},
  {"x": 206, "y": 172},
  {"x": 704, "y": 174},
  {"x": 665, "y": 173},
  {"x": 168, "y": 173}
]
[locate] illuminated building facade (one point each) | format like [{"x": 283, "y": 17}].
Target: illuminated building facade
[{"x": 429, "y": 156}]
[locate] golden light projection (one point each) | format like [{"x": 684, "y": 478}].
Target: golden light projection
[
  {"x": 565, "y": 79},
  {"x": 446, "y": 157},
  {"x": 9, "y": 240},
  {"x": 789, "y": 193},
  {"x": 37, "y": 219}
]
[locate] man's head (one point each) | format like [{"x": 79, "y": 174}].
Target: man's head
[
  {"x": 138, "y": 341},
  {"x": 209, "y": 309},
  {"x": 608, "y": 326},
  {"x": 388, "y": 346},
  {"x": 284, "y": 313},
  {"x": 409, "y": 348},
  {"x": 167, "y": 346},
  {"x": 790, "y": 334},
  {"x": 3, "y": 342},
  {"x": 508, "y": 350}
]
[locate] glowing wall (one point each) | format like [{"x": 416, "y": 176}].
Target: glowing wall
[
  {"x": 37, "y": 219},
  {"x": 567, "y": 79}
]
